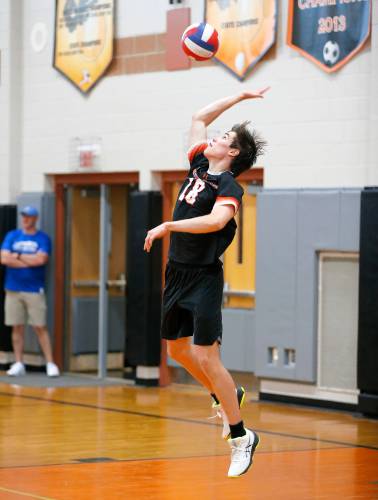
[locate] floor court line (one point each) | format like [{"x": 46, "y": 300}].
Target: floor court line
[
  {"x": 23, "y": 493},
  {"x": 258, "y": 452},
  {"x": 180, "y": 419}
]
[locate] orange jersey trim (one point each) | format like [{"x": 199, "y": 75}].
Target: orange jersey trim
[
  {"x": 227, "y": 200},
  {"x": 197, "y": 148}
]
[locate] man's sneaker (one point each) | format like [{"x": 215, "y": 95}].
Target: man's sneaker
[
  {"x": 242, "y": 450},
  {"x": 240, "y": 394},
  {"x": 52, "y": 370},
  {"x": 17, "y": 369}
]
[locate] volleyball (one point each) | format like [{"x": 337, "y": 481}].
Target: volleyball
[{"x": 200, "y": 41}]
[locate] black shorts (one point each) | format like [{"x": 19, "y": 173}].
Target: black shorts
[{"x": 192, "y": 303}]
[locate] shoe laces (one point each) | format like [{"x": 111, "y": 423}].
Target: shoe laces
[
  {"x": 238, "y": 453},
  {"x": 216, "y": 412}
]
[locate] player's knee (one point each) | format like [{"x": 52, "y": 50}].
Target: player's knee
[{"x": 205, "y": 361}]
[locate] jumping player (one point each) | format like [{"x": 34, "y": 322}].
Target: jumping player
[{"x": 203, "y": 227}]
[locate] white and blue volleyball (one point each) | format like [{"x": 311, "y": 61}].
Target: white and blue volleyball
[{"x": 200, "y": 41}]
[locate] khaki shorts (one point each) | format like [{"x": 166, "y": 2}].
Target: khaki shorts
[{"x": 22, "y": 307}]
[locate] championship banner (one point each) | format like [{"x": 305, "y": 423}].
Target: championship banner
[
  {"x": 84, "y": 31},
  {"x": 328, "y": 32},
  {"x": 247, "y": 30}
]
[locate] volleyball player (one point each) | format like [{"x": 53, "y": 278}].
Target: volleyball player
[{"x": 203, "y": 227}]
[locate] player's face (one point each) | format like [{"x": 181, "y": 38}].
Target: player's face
[
  {"x": 220, "y": 147},
  {"x": 28, "y": 222}
]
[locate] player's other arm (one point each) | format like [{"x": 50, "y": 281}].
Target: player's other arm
[
  {"x": 205, "y": 116},
  {"x": 215, "y": 221}
]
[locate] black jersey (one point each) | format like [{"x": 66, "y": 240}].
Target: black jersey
[{"x": 197, "y": 197}]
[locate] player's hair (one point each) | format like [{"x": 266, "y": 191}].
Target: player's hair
[{"x": 250, "y": 146}]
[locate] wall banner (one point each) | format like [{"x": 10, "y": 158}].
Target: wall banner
[
  {"x": 84, "y": 31},
  {"x": 328, "y": 32},
  {"x": 247, "y": 30}
]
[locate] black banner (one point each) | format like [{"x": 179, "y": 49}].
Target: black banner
[{"x": 328, "y": 32}]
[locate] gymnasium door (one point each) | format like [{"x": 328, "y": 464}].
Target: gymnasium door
[{"x": 95, "y": 282}]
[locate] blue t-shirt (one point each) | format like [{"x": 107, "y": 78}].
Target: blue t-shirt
[{"x": 28, "y": 279}]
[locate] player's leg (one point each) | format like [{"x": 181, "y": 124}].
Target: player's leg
[
  {"x": 177, "y": 321},
  {"x": 207, "y": 336},
  {"x": 181, "y": 350},
  {"x": 177, "y": 329},
  {"x": 208, "y": 359},
  {"x": 243, "y": 442}
]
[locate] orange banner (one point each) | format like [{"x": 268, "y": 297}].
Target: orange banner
[
  {"x": 84, "y": 31},
  {"x": 247, "y": 30}
]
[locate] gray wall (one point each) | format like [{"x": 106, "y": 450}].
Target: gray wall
[
  {"x": 292, "y": 226},
  {"x": 239, "y": 327}
]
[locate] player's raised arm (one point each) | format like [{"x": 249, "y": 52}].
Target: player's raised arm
[{"x": 205, "y": 116}]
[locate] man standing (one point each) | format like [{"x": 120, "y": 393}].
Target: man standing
[
  {"x": 25, "y": 253},
  {"x": 203, "y": 227}
]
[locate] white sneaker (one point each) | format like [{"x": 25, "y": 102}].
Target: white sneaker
[
  {"x": 17, "y": 369},
  {"x": 52, "y": 370},
  {"x": 242, "y": 450}
]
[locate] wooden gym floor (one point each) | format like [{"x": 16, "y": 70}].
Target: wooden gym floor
[{"x": 133, "y": 443}]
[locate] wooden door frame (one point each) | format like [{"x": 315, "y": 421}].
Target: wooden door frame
[
  {"x": 169, "y": 177},
  {"x": 60, "y": 181}
]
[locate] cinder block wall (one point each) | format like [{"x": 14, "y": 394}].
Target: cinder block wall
[{"x": 321, "y": 128}]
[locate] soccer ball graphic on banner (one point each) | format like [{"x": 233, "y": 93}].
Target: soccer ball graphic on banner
[
  {"x": 331, "y": 52},
  {"x": 200, "y": 41}
]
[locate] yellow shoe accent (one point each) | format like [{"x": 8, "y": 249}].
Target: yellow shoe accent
[{"x": 241, "y": 404}]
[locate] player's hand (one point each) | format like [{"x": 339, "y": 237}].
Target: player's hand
[
  {"x": 154, "y": 234},
  {"x": 254, "y": 94}
]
